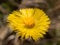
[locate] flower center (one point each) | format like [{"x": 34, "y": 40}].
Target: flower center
[{"x": 29, "y": 22}]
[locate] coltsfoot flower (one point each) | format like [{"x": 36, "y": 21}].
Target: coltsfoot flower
[{"x": 30, "y": 23}]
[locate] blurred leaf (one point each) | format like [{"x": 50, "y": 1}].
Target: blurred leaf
[
  {"x": 5, "y": 6},
  {"x": 58, "y": 43},
  {"x": 51, "y": 3},
  {"x": 1, "y": 15},
  {"x": 18, "y": 1},
  {"x": 49, "y": 43}
]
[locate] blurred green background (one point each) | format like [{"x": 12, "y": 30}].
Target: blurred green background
[{"x": 52, "y": 9}]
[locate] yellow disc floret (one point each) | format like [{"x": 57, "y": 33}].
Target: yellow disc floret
[{"x": 29, "y": 23}]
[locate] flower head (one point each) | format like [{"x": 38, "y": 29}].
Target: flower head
[{"x": 30, "y": 23}]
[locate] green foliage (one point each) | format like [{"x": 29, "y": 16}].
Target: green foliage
[
  {"x": 49, "y": 43},
  {"x": 58, "y": 43}
]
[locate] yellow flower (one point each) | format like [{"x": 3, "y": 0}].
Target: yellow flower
[{"x": 29, "y": 23}]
